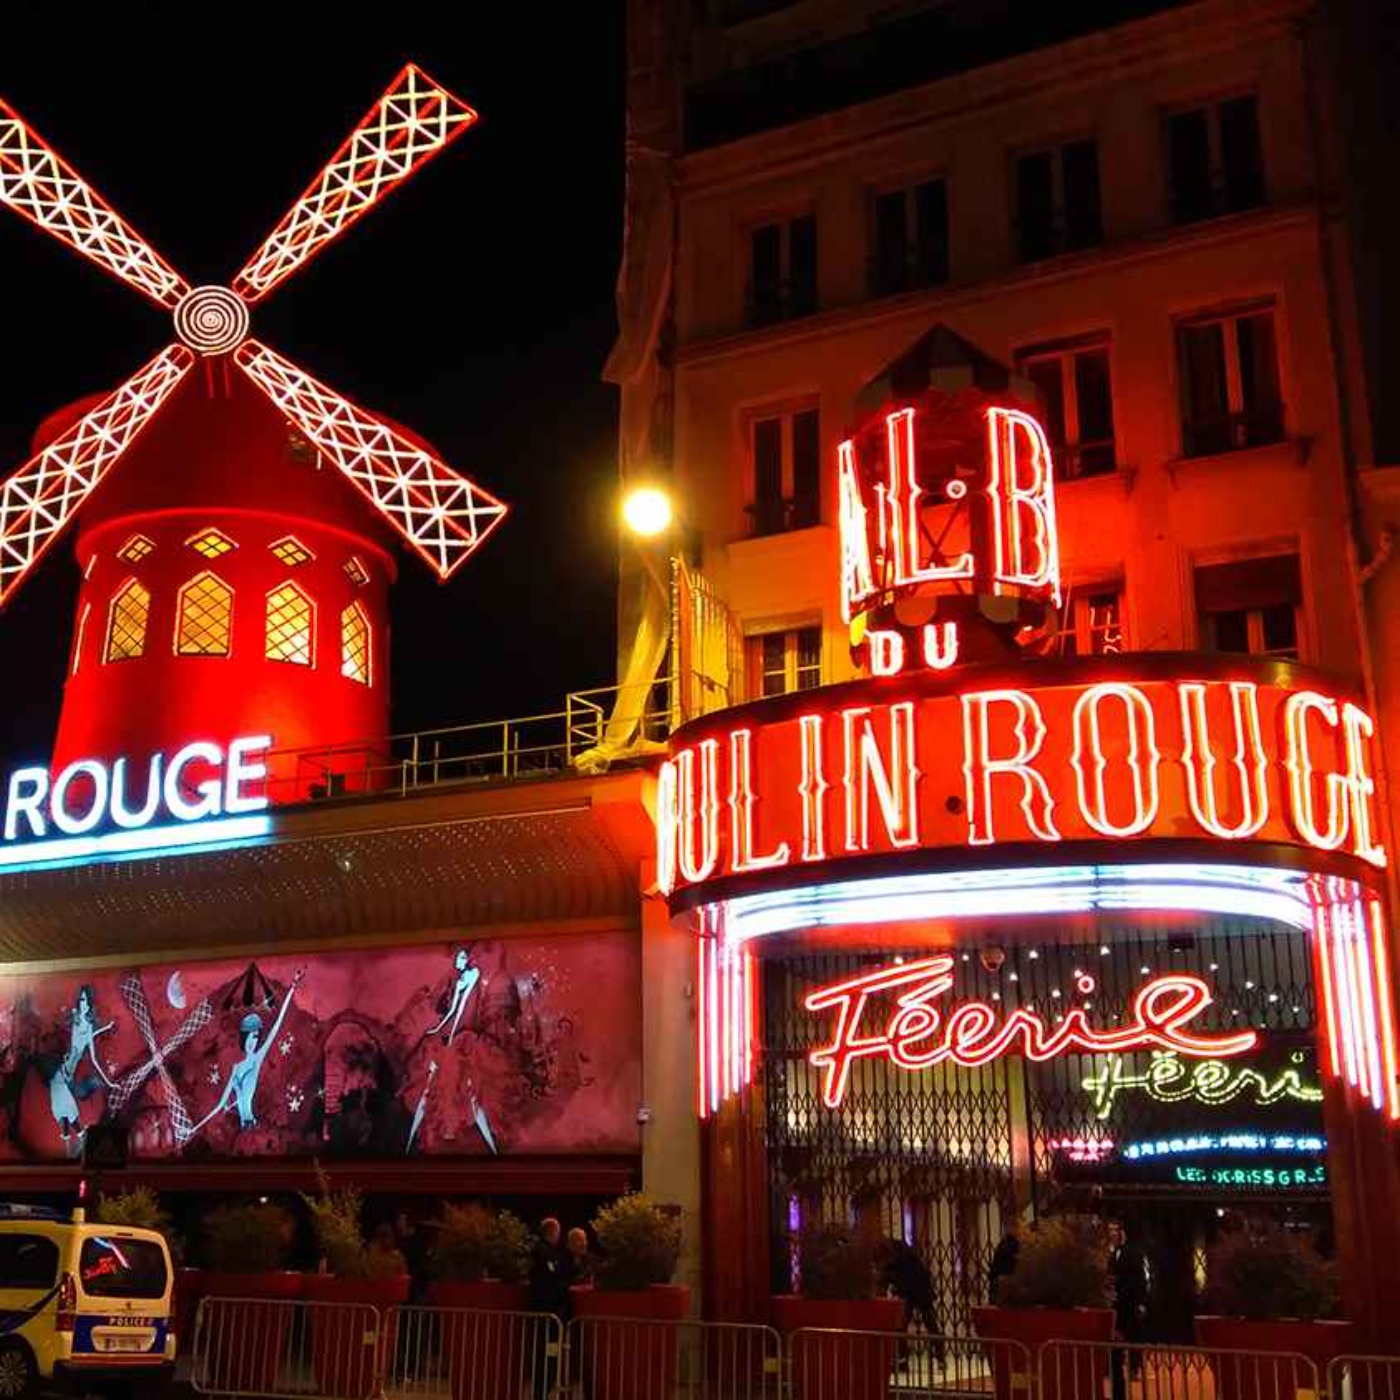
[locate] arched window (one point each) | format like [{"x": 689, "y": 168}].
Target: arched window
[
  {"x": 354, "y": 644},
  {"x": 291, "y": 625},
  {"x": 204, "y": 617},
  {"x": 127, "y": 616}
]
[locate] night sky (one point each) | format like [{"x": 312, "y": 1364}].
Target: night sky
[{"x": 475, "y": 304}]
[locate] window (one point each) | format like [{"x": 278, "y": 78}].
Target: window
[
  {"x": 122, "y": 1268},
  {"x": 1057, "y": 200},
  {"x": 1215, "y": 160},
  {"x": 355, "y": 571},
  {"x": 1228, "y": 366},
  {"x": 127, "y": 616},
  {"x": 911, "y": 238},
  {"x": 1252, "y": 606},
  {"x": 354, "y": 644},
  {"x": 787, "y": 661},
  {"x": 786, "y": 472},
  {"x": 135, "y": 549},
  {"x": 28, "y": 1261},
  {"x": 290, "y": 551},
  {"x": 290, "y": 626},
  {"x": 1076, "y": 401},
  {"x": 210, "y": 543},
  {"x": 1092, "y": 622},
  {"x": 204, "y": 617},
  {"x": 783, "y": 270}
]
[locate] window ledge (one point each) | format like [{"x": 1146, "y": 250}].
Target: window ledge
[
  {"x": 1123, "y": 478},
  {"x": 1290, "y": 452}
]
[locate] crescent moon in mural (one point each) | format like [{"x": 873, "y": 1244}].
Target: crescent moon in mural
[{"x": 175, "y": 991}]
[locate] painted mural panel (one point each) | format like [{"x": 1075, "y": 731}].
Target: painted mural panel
[{"x": 451, "y": 1048}]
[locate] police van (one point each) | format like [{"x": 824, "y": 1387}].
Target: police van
[{"x": 82, "y": 1306}]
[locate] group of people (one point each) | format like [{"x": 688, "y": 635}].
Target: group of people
[{"x": 559, "y": 1262}]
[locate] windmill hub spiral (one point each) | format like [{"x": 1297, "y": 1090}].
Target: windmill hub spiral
[{"x": 211, "y": 320}]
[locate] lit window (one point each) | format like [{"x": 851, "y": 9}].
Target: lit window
[
  {"x": 354, "y": 644},
  {"x": 1252, "y": 606},
  {"x": 291, "y": 551},
  {"x": 1076, "y": 404},
  {"x": 210, "y": 543},
  {"x": 290, "y": 624},
  {"x": 1230, "y": 394},
  {"x": 135, "y": 549},
  {"x": 787, "y": 661},
  {"x": 126, "y": 622},
  {"x": 356, "y": 572},
  {"x": 204, "y": 617},
  {"x": 1092, "y": 624}
]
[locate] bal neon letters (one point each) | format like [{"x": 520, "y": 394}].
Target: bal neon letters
[{"x": 198, "y": 782}]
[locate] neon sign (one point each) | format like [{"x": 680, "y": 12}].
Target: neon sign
[
  {"x": 201, "y": 794},
  {"x": 915, "y": 1035},
  {"x": 1168, "y": 1080},
  {"x": 1224, "y": 1142},
  {"x": 1253, "y": 1176},
  {"x": 1122, "y": 757}
]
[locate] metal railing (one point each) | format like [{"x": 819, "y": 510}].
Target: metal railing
[
  {"x": 288, "y": 1349},
  {"x": 534, "y": 746}
]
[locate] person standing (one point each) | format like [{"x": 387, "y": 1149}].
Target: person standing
[
  {"x": 1128, "y": 1269},
  {"x": 904, "y": 1273},
  {"x": 547, "y": 1292}
]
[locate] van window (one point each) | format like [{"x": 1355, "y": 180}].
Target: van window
[
  {"x": 28, "y": 1261},
  {"x": 122, "y": 1268}
]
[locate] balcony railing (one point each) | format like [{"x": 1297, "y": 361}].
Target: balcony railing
[
  {"x": 767, "y": 303},
  {"x": 1229, "y": 432},
  {"x": 776, "y": 517}
]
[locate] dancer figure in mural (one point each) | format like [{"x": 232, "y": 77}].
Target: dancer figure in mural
[
  {"x": 242, "y": 1082},
  {"x": 465, "y": 984},
  {"x": 66, "y": 1090}
]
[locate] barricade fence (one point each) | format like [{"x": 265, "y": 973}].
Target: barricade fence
[{"x": 291, "y": 1349}]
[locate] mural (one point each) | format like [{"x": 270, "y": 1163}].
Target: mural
[{"x": 526, "y": 1045}]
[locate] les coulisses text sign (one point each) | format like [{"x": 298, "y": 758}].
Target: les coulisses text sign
[{"x": 874, "y": 768}]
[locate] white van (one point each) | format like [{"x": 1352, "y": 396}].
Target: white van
[{"x": 82, "y": 1305}]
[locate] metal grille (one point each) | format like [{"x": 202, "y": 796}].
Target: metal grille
[
  {"x": 947, "y": 1157},
  {"x": 126, "y": 622},
  {"x": 354, "y": 644},
  {"x": 206, "y": 617},
  {"x": 289, "y": 615}
]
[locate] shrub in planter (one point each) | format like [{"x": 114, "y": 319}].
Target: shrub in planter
[
  {"x": 246, "y": 1248},
  {"x": 1059, "y": 1290},
  {"x": 641, "y": 1245},
  {"x": 838, "y": 1279},
  {"x": 1269, "y": 1289},
  {"x": 365, "y": 1282},
  {"x": 481, "y": 1261}
]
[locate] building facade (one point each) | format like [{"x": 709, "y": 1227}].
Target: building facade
[{"x": 1140, "y": 231}]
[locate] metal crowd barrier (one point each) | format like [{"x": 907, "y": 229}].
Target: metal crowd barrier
[
  {"x": 273, "y": 1349},
  {"x": 1136, "y": 1371}
]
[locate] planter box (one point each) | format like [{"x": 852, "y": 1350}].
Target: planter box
[
  {"x": 1066, "y": 1373},
  {"x": 489, "y": 1346},
  {"x": 845, "y": 1362},
  {"x": 629, "y": 1340},
  {"x": 244, "y": 1343},
  {"x": 1277, "y": 1377},
  {"x": 353, "y": 1328}
]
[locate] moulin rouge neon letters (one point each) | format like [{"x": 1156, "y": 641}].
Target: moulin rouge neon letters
[
  {"x": 916, "y": 1035},
  {"x": 1123, "y": 759},
  {"x": 199, "y": 781}
]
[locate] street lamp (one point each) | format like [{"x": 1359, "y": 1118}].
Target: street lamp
[{"x": 647, "y": 511}]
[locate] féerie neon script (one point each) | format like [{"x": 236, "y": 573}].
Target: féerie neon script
[
  {"x": 1168, "y": 1080},
  {"x": 916, "y": 1035}
]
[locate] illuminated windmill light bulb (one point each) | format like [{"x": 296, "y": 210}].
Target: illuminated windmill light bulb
[{"x": 211, "y": 320}]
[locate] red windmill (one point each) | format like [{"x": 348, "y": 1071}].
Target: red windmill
[{"x": 231, "y": 585}]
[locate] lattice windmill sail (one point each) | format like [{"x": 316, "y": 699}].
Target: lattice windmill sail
[{"x": 443, "y": 516}]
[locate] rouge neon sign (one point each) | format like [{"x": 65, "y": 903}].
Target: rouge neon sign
[
  {"x": 1120, "y": 756},
  {"x": 203, "y": 792},
  {"x": 908, "y": 1030}
]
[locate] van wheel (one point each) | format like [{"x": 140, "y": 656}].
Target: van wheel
[{"x": 18, "y": 1375}]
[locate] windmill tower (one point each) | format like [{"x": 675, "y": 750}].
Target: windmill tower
[{"x": 233, "y": 582}]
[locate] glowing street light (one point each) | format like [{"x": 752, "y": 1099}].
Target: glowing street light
[{"x": 647, "y": 511}]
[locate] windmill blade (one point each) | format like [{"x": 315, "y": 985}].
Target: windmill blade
[
  {"x": 38, "y": 183},
  {"x": 43, "y": 495},
  {"x": 442, "y": 515},
  {"x": 415, "y": 119}
]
